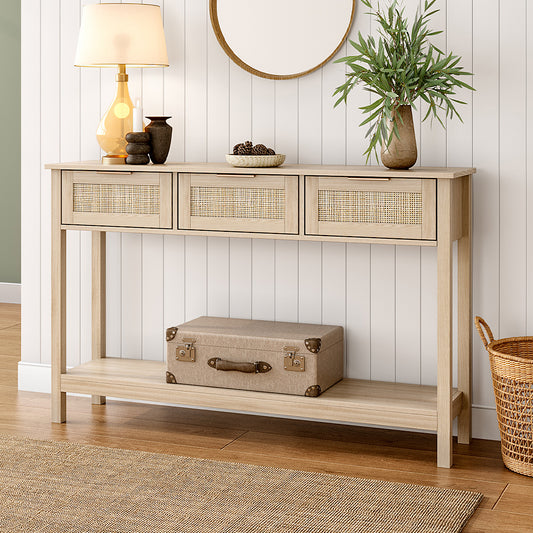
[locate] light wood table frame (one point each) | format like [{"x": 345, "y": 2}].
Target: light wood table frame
[{"x": 350, "y": 401}]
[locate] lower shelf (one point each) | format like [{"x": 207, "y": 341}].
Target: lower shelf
[{"x": 351, "y": 400}]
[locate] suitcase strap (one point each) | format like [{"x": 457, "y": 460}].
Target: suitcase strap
[{"x": 259, "y": 367}]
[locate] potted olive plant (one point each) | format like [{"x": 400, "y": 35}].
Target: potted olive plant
[{"x": 399, "y": 67}]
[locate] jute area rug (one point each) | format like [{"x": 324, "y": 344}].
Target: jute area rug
[{"x": 67, "y": 487}]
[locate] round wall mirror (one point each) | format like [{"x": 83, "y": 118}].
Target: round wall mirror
[{"x": 281, "y": 39}]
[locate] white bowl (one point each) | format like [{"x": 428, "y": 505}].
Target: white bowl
[{"x": 255, "y": 160}]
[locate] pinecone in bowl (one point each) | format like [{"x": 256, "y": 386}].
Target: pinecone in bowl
[
  {"x": 260, "y": 149},
  {"x": 245, "y": 148},
  {"x": 248, "y": 148}
]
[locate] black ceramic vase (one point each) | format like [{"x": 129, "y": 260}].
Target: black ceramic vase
[{"x": 160, "y": 135}]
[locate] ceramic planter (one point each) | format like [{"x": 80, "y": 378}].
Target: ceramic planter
[{"x": 401, "y": 152}]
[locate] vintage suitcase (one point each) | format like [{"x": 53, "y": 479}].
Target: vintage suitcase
[{"x": 302, "y": 359}]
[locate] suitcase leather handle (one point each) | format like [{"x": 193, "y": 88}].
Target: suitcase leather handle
[{"x": 259, "y": 367}]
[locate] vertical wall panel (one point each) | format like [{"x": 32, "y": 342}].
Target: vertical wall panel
[
  {"x": 153, "y": 82},
  {"x": 459, "y": 134},
  {"x": 174, "y": 77},
  {"x": 240, "y": 105},
  {"x": 432, "y": 141},
  {"x": 382, "y": 263},
  {"x": 263, "y": 111},
  {"x": 310, "y": 118},
  {"x": 114, "y": 242},
  {"x": 152, "y": 246},
  {"x": 357, "y": 333},
  {"x": 131, "y": 293},
  {"x": 218, "y": 142},
  {"x": 529, "y": 167},
  {"x": 152, "y": 297},
  {"x": 286, "y": 119},
  {"x": 195, "y": 276},
  {"x": 174, "y": 280},
  {"x": 407, "y": 314},
  {"x": 459, "y": 41},
  {"x": 85, "y": 296},
  {"x": 70, "y": 151},
  {"x": 310, "y": 278},
  {"x": 174, "y": 105},
  {"x": 195, "y": 80},
  {"x": 356, "y": 142},
  {"x": 240, "y": 278},
  {"x": 358, "y": 297},
  {"x": 286, "y": 275},
  {"x": 114, "y": 294},
  {"x": 31, "y": 182},
  {"x": 89, "y": 150},
  {"x": 218, "y": 276},
  {"x": 263, "y": 279},
  {"x": 50, "y": 149},
  {"x": 428, "y": 316},
  {"x": 334, "y": 284},
  {"x": 513, "y": 168},
  {"x": 486, "y": 186},
  {"x": 333, "y": 119},
  {"x": 432, "y": 152}
]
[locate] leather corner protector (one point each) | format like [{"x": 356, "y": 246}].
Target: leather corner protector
[
  {"x": 313, "y": 344},
  {"x": 171, "y": 378},
  {"x": 171, "y": 333},
  {"x": 313, "y": 391}
]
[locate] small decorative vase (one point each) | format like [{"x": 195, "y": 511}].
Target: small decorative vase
[
  {"x": 401, "y": 152},
  {"x": 161, "y": 135},
  {"x": 138, "y": 148}
]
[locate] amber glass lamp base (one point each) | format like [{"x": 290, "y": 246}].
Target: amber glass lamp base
[{"x": 117, "y": 122}]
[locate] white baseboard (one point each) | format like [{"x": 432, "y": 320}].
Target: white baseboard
[
  {"x": 35, "y": 377},
  {"x": 10, "y": 293}
]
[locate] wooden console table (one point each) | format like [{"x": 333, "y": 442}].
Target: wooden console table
[{"x": 421, "y": 206}]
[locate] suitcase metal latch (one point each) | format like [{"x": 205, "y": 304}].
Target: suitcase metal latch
[
  {"x": 293, "y": 362},
  {"x": 186, "y": 352}
]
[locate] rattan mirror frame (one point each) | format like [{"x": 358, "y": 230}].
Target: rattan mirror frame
[{"x": 213, "y": 13}]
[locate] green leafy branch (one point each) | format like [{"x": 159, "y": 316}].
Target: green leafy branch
[{"x": 400, "y": 67}]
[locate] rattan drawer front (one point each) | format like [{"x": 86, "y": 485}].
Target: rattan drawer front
[
  {"x": 252, "y": 203},
  {"x": 363, "y": 207},
  {"x": 114, "y": 198}
]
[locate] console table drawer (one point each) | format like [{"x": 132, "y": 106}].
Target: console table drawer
[
  {"x": 371, "y": 207},
  {"x": 242, "y": 203},
  {"x": 133, "y": 199}
]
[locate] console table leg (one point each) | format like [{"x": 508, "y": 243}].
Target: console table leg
[
  {"x": 444, "y": 333},
  {"x": 98, "y": 301},
  {"x": 58, "y": 299},
  {"x": 464, "y": 252}
]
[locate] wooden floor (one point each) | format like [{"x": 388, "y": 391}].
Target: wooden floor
[{"x": 353, "y": 451}]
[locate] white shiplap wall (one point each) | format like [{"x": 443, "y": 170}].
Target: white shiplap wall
[{"x": 383, "y": 295}]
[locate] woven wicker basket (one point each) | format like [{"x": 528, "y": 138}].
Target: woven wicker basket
[{"x": 511, "y": 363}]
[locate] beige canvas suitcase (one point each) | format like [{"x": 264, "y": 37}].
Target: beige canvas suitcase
[{"x": 302, "y": 359}]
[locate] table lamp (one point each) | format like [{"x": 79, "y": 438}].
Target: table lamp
[{"x": 116, "y": 35}]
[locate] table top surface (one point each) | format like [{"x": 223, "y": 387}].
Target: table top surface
[{"x": 368, "y": 171}]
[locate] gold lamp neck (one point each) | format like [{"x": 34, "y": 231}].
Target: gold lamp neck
[{"x": 121, "y": 73}]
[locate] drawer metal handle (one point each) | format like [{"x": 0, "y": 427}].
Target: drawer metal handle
[
  {"x": 114, "y": 173},
  {"x": 259, "y": 367},
  {"x": 235, "y": 175},
  {"x": 369, "y": 179}
]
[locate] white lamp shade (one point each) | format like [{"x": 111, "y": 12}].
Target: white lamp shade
[{"x": 121, "y": 34}]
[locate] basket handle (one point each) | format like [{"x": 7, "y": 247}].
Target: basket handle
[{"x": 480, "y": 322}]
